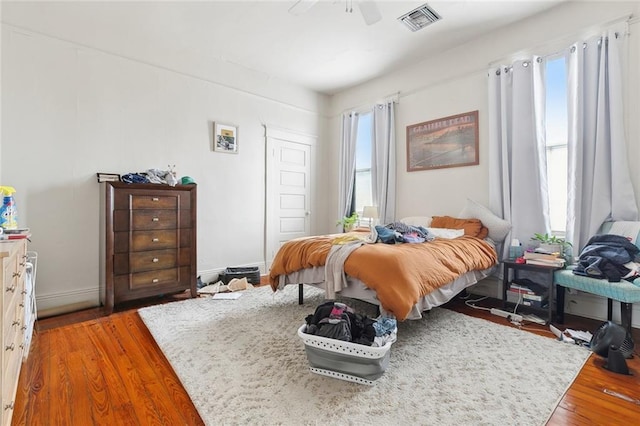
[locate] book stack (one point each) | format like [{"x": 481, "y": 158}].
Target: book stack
[
  {"x": 527, "y": 293},
  {"x": 544, "y": 259},
  {"x": 14, "y": 234}
]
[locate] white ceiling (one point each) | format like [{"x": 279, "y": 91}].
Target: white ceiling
[{"x": 325, "y": 49}]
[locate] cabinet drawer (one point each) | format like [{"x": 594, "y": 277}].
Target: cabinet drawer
[
  {"x": 141, "y": 220},
  {"x": 154, "y": 202},
  {"x": 166, "y": 239},
  {"x": 146, "y": 240},
  {"x": 135, "y": 286},
  {"x": 11, "y": 345},
  {"x": 145, "y": 220},
  {"x": 162, "y": 277},
  {"x": 11, "y": 320},
  {"x": 145, "y": 261},
  {"x": 153, "y": 219},
  {"x": 154, "y": 240}
]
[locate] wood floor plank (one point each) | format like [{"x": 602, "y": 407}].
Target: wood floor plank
[
  {"x": 128, "y": 380},
  {"x": 154, "y": 386},
  {"x": 162, "y": 368},
  {"x": 123, "y": 410},
  {"x": 61, "y": 384}
]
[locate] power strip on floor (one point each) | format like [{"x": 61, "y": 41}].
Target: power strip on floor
[
  {"x": 534, "y": 318},
  {"x": 508, "y": 315}
]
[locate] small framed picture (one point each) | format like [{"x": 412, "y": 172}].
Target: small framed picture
[
  {"x": 108, "y": 177},
  {"x": 225, "y": 138}
]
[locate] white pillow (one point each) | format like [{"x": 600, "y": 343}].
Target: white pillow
[
  {"x": 423, "y": 221},
  {"x": 449, "y": 234},
  {"x": 498, "y": 227}
]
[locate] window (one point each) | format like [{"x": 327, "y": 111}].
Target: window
[
  {"x": 362, "y": 194},
  {"x": 556, "y": 142}
]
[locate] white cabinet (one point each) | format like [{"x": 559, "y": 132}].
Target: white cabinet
[{"x": 13, "y": 255}]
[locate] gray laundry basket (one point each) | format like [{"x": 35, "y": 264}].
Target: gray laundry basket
[{"x": 345, "y": 360}]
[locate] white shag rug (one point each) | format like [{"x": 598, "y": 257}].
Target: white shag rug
[{"x": 242, "y": 362}]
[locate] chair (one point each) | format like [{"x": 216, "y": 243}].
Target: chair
[{"x": 625, "y": 292}]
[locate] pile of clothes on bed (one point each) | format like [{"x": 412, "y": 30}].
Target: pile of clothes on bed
[{"x": 336, "y": 320}]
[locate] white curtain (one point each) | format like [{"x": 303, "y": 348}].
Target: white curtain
[
  {"x": 517, "y": 165},
  {"x": 383, "y": 162},
  {"x": 599, "y": 185},
  {"x": 347, "y": 164}
]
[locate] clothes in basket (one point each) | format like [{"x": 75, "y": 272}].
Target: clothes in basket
[{"x": 343, "y": 344}]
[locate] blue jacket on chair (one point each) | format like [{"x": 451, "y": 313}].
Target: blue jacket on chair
[{"x": 604, "y": 256}]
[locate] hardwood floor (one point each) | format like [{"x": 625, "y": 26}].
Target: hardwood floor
[{"x": 90, "y": 369}]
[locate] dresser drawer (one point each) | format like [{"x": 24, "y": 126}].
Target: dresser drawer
[
  {"x": 133, "y": 262},
  {"x": 154, "y": 240},
  {"x": 135, "y": 286},
  {"x": 153, "y": 219},
  {"x": 145, "y": 220},
  {"x": 12, "y": 342},
  {"x": 151, "y": 240},
  {"x": 148, "y": 279},
  {"x": 154, "y": 202},
  {"x": 167, "y": 198}
]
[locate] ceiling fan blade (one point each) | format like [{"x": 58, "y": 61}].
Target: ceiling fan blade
[
  {"x": 301, "y": 6},
  {"x": 370, "y": 11}
]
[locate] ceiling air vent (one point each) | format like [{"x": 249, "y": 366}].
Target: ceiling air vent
[{"x": 420, "y": 17}]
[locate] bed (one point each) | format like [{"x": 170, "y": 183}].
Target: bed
[{"x": 403, "y": 279}]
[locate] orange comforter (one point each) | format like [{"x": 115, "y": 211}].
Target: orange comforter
[{"x": 400, "y": 274}]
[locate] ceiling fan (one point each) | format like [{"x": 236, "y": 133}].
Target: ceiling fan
[{"x": 368, "y": 9}]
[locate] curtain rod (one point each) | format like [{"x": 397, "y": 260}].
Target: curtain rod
[
  {"x": 394, "y": 97},
  {"x": 563, "y": 40}
]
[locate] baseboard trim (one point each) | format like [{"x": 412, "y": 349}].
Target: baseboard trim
[{"x": 64, "y": 302}]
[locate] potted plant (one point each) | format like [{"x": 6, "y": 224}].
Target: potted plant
[
  {"x": 348, "y": 222},
  {"x": 551, "y": 243}
]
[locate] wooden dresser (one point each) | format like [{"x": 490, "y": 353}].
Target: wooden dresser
[
  {"x": 149, "y": 241},
  {"x": 13, "y": 255}
]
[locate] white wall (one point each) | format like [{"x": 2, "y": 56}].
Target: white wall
[
  {"x": 70, "y": 110},
  {"x": 456, "y": 82}
]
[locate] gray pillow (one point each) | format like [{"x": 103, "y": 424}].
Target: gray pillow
[{"x": 498, "y": 227}]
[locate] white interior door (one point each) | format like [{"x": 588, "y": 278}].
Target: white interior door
[{"x": 289, "y": 194}]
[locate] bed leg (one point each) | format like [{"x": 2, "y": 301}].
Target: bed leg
[{"x": 300, "y": 295}]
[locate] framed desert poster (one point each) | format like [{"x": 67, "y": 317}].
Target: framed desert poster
[{"x": 446, "y": 142}]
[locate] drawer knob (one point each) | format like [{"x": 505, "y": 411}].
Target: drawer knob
[
  {"x": 15, "y": 322},
  {"x": 155, "y": 199},
  {"x": 21, "y": 305},
  {"x": 10, "y": 347},
  {"x": 155, "y": 240},
  {"x": 16, "y": 274},
  {"x": 9, "y": 406},
  {"x": 23, "y": 328},
  {"x": 11, "y": 289},
  {"x": 155, "y": 260},
  {"x": 155, "y": 280},
  {"x": 155, "y": 219}
]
